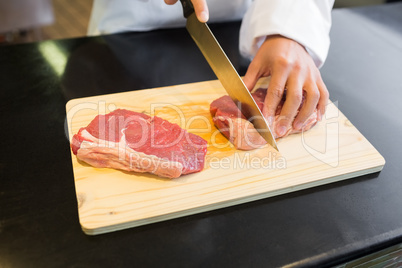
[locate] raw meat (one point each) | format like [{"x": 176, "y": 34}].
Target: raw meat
[
  {"x": 234, "y": 126},
  {"x": 134, "y": 141}
]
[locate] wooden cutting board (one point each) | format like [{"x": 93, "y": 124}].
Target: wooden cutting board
[{"x": 110, "y": 200}]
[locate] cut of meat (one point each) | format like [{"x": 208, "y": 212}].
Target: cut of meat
[
  {"x": 234, "y": 126},
  {"x": 134, "y": 141}
]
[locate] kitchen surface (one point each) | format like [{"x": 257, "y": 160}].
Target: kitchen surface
[{"x": 342, "y": 223}]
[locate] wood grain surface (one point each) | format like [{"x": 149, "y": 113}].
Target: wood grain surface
[{"x": 110, "y": 200}]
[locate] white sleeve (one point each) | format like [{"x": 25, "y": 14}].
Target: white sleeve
[{"x": 306, "y": 21}]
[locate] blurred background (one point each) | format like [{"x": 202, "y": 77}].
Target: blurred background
[
  {"x": 35, "y": 20},
  {"x": 24, "y": 21}
]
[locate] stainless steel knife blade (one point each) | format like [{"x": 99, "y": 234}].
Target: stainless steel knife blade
[{"x": 226, "y": 73}]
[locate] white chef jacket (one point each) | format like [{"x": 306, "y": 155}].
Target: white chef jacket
[{"x": 306, "y": 21}]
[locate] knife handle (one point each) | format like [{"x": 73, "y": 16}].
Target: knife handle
[{"x": 188, "y": 8}]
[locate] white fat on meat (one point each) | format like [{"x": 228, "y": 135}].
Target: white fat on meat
[{"x": 101, "y": 153}]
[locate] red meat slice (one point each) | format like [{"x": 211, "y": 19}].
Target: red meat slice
[
  {"x": 234, "y": 126},
  {"x": 134, "y": 141}
]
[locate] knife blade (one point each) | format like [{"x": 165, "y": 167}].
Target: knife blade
[{"x": 226, "y": 73}]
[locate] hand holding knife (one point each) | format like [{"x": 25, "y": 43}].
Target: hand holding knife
[{"x": 225, "y": 72}]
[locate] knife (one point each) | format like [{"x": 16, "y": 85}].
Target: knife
[{"x": 225, "y": 72}]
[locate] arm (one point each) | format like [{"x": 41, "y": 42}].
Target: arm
[{"x": 288, "y": 40}]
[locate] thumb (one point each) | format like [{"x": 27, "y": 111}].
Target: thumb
[
  {"x": 251, "y": 77},
  {"x": 170, "y": 2},
  {"x": 201, "y": 10}
]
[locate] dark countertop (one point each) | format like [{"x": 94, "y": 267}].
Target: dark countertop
[{"x": 323, "y": 226}]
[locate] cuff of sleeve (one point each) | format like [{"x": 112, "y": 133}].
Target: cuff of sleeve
[{"x": 302, "y": 21}]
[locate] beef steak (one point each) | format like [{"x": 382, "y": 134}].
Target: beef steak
[
  {"x": 234, "y": 126},
  {"x": 137, "y": 142}
]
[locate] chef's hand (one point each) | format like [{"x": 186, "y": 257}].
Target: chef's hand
[
  {"x": 291, "y": 67},
  {"x": 200, "y": 7}
]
